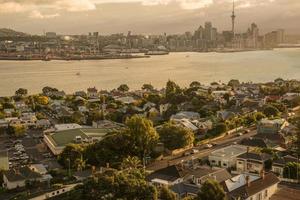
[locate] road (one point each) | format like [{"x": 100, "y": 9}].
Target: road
[{"x": 203, "y": 152}]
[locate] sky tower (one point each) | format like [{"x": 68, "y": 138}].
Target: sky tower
[{"x": 233, "y": 18}]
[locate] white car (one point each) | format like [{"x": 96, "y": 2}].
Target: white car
[
  {"x": 208, "y": 146},
  {"x": 195, "y": 151}
]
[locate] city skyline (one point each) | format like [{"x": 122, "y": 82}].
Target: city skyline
[{"x": 145, "y": 17}]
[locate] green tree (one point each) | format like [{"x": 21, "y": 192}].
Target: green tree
[
  {"x": 195, "y": 84},
  {"x": 42, "y": 100},
  {"x": 113, "y": 184},
  {"x": 166, "y": 194},
  {"x": 270, "y": 110},
  {"x": 123, "y": 88},
  {"x": 131, "y": 162},
  {"x": 71, "y": 155},
  {"x": 17, "y": 130},
  {"x": 148, "y": 87},
  {"x": 21, "y": 92},
  {"x": 234, "y": 83},
  {"x": 291, "y": 170},
  {"x": 142, "y": 134},
  {"x": 174, "y": 136},
  {"x": 211, "y": 190}
]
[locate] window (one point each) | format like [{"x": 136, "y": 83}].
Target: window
[
  {"x": 259, "y": 196},
  {"x": 266, "y": 194},
  {"x": 224, "y": 164}
]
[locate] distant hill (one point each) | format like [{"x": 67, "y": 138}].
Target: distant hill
[{"x": 5, "y": 32}]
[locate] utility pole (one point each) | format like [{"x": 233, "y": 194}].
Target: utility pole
[{"x": 233, "y": 16}]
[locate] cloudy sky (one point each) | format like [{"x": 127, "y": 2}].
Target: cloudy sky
[{"x": 145, "y": 16}]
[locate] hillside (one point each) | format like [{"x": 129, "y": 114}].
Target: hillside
[{"x": 4, "y": 32}]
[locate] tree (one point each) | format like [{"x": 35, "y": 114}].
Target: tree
[
  {"x": 234, "y": 83},
  {"x": 195, "y": 84},
  {"x": 142, "y": 134},
  {"x": 42, "y": 100},
  {"x": 172, "y": 92},
  {"x": 147, "y": 87},
  {"x": 211, "y": 190},
  {"x": 123, "y": 88},
  {"x": 166, "y": 194},
  {"x": 17, "y": 130},
  {"x": 174, "y": 136},
  {"x": 291, "y": 170},
  {"x": 21, "y": 92},
  {"x": 113, "y": 184},
  {"x": 70, "y": 155},
  {"x": 270, "y": 110},
  {"x": 131, "y": 162}
]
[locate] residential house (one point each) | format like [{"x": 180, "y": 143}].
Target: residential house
[
  {"x": 92, "y": 93},
  {"x": 16, "y": 178},
  {"x": 279, "y": 164},
  {"x": 168, "y": 176},
  {"x": 266, "y": 126},
  {"x": 251, "y": 187},
  {"x": 186, "y": 115},
  {"x": 227, "y": 156},
  {"x": 251, "y": 162}
]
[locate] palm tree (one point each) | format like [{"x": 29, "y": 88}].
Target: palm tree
[{"x": 131, "y": 163}]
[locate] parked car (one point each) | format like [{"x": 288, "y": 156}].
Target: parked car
[{"x": 208, "y": 146}]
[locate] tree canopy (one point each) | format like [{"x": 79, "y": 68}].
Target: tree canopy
[
  {"x": 174, "y": 136},
  {"x": 211, "y": 190}
]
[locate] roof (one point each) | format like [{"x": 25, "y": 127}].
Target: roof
[
  {"x": 24, "y": 173},
  {"x": 62, "y": 138},
  {"x": 184, "y": 188},
  {"x": 254, "y": 142},
  {"x": 170, "y": 173},
  {"x": 284, "y": 160},
  {"x": 255, "y": 156},
  {"x": 229, "y": 151},
  {"x": 218, "y": 174},
  {"x": 256, "y": 185}
]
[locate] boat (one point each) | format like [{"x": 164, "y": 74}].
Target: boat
[{"x": 156, "y": 53}]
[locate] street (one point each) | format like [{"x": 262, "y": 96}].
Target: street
[{"x": 203, "y": 151}]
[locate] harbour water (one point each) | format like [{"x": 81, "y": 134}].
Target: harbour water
[{"x": 183, "y": 68}]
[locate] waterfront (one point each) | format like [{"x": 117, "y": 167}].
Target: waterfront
[{"x": 256, "y": 66}]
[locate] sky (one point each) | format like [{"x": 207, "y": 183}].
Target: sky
[{"x": 146, "y": 16}]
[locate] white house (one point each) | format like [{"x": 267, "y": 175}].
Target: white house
[{"x": 227, "y": 156}]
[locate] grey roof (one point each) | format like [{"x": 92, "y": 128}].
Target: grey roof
[
  {"x": 170, "y": 173},
  {"x": 218, "y": 174},
  {"x": 24, "y": 173},
  {"x": 254, "y": 142},
  {"x": 184, "y": 188},
  {"x": 255, "y": 156}
]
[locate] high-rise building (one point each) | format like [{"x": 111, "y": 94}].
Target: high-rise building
[{"x": 208, "y": 31}]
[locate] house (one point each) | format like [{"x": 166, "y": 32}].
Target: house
[
  {"x": 252, "y": 162},
  {"x": 3, "y": 123},
  {"x": 163, "y": 108},
  {"x": 16, "y": 178},
  {"x": 126, "y": 99},
  {"x": 203, "y": 173},
  {"x": 83, "y": 175},
  {"x": 186, "y": 115},
  {"x": 279, "y": 164},
  {"x": 168, "y": 176},
  {"x": 266, "y": 126},
  {"x": 43, "y": 123},
  {"x": 227, "y": 156},
  {"x": 251, "y": 187},
  {"x": 92, "y": 93}
]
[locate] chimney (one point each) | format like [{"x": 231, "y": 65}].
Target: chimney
[
  {"x": 262, "y": 174},
  {"x": 248, "y": 181}
]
